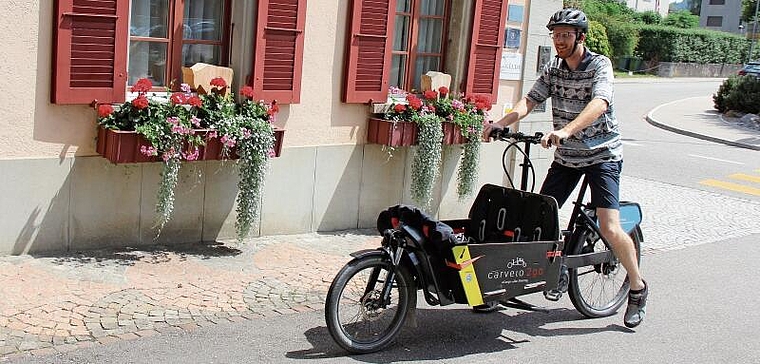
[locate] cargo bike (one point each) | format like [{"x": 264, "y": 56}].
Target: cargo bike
[{"x": 509, "y": 246}]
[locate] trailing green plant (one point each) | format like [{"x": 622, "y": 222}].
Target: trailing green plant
[
  {"x": 170, "y": 123},
  {"x": 255, "y": 147},
  {"x": 165, "y": 197},
  {"x": 467, "y": 172},
  {"x": 427, "y": 158},
  {"x": 469, "y": 115}
]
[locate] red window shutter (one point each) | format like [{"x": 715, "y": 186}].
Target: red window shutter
[
  {"x": 485, "y": 49},
  {"x": 368, "y": 52},
  {"x": 90, "y": 57},
  {"x": 278, "y": 59}
]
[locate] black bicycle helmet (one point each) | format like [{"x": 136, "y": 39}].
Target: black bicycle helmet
[{"x": 570, "y": 17}]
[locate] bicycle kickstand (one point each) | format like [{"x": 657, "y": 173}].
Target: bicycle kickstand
[{"x": 522, "y": 305}]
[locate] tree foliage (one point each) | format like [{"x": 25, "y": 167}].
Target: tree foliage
[
  {"x": 648, "y": 17},
  {"x": 596, "y": 39},
  {"x": 748, "y": 10},
  {"x": 607, "y": 8},
  {"x": 681, "y": 19}
]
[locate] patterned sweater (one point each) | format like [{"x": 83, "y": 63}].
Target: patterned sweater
[{"x": 571, "y": 91}]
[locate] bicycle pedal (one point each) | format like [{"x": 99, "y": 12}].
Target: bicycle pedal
[{"x": 553, "y": 295}]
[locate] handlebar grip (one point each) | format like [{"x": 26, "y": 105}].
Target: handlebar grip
[{"x": 497, "y": 131}]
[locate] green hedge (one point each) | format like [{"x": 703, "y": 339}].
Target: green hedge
[
  {"x": 668, "y": 44},
  {"x": 624, "y": 37}
]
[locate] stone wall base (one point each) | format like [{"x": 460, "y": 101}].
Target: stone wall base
[{"x": 673, "y": 69}]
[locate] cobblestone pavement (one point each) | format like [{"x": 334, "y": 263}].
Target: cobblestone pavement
[{"x": 52, "y": 304}]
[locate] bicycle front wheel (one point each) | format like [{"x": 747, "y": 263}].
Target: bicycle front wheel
[
  {"x": 358, "y": 317},
  {"x": 599, "y": 290}
]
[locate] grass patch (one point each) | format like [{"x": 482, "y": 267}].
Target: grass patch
[{"x": 623, "y": 74}]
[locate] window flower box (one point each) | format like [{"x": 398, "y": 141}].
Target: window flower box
[
  {"x": 452, "y": 134},
  {"x": 126, "y": 146},
  {"x": 404, "y": 133},
  {"x": 391, "y": 133}
]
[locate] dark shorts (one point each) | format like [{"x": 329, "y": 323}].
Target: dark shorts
[{"x": 604, "y": 179}]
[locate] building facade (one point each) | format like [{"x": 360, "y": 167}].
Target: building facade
[
  {"x": 58, "y": 194},
  {"x": 658, "y": 6},
  {"x": 722, "y": 15}
]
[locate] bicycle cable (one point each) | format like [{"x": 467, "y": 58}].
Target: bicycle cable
[{"x": 525, "y": 159}]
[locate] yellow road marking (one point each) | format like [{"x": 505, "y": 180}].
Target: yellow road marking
[
  {"x": 745, "y": 177},
  {"x": 731, "y": 186}
]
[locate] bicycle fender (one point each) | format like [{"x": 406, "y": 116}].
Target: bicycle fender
[{"x": 367, "y": 252}]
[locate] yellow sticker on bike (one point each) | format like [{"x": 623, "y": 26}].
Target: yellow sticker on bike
[{"x": 467, "y": 274}]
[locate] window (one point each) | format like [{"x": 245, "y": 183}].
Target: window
[
  {"x": 166, "y": 35},
  {"x": 717, "y": 2},
  {"x": 714, "y": 21},
  {"x": 395, "y": 45},
  {"x": 418, "y": 44},
  {"x": 93, "y": 37}
]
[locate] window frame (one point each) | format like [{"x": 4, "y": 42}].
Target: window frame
[
  {"x": 412, "y": 43},
  {"x": 174, "y": 47},
  {"x": 707, "y": 21}
]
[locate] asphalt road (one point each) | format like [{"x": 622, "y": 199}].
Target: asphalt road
[
  {"x": 660, "y": 155},
  {"x": 702, "y": 310}
]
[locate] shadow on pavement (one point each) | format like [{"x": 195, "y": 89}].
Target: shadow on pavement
[
  {"x": 154, "y": 254},
  {"x": 451, "y": 333}
]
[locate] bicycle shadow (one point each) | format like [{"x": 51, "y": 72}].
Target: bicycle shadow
[{"x": 451, "y": 333}]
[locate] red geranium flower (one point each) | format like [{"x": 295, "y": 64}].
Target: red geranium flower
[
  {"x": 140, "y": 102},
  {"x": 143, "y": 85},
  {"x": 399, "y": 108},
  {"x": 178, "y": 98},
  {"x": 273, "y": 109},
  {"x": 247, "y": 91},
  {"x": 414, "y": 102},
  {"x": 218, "y": 82},
  {"x": 194, "y": 101},
  {"x": 430, "y": 95},
  {"x": 104, "y": 110},
  {"x": 443, "y": 90}
]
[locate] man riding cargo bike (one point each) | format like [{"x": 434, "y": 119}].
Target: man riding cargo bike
[{"x": 511, "y": 244}]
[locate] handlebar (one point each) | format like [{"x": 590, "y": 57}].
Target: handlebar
[{"x": 506, "y": 135}]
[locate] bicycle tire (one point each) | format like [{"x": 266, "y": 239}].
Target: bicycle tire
[
  {"x": 599, "y": 290},
  {"x": 352, "y": 315}
]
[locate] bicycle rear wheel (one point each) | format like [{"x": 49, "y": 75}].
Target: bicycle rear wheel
[
  {"x": 599, "y": 290},
  {"x": 358, "y": 317}
]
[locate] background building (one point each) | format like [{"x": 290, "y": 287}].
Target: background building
[{"x": 723, "y": 15}]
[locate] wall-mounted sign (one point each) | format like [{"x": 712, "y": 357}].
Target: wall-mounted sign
[
  {"x": 512, "y": 38},
  {"x": 515, "y": 13},
  {"x": 544, "y": 56},
  {"x": 511, "y": 66}
]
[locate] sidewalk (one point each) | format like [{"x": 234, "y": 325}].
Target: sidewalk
[
  {"x": 62, "y": 303},
  {"x": 696, "y": 117},
  {"x": 58, "y": 304}
]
